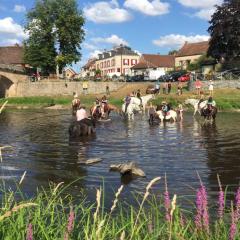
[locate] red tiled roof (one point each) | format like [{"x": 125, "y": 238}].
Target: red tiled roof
[
  {"x": 11, "y": 55},
  {"x": 90, "y": 63},
  {"x": 155, "y": 61},
  {"x": 191, "y": 49}
]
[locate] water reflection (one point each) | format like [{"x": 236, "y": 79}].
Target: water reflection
[{"x": 41, "y": 146}]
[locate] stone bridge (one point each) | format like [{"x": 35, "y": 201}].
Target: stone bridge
[{"x": 9, "y": 82}]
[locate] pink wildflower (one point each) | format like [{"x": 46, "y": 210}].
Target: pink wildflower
[
  {"x": 70, "y": 224},
  {"x": 237, "y": 200},
  {"x": 29, "y": 232},
  {"x": 205, "y": 216},
  {"x": 167, "y": 204},
  {"x": 233, "y": 228},
  {"x": 220, "y": 204},
  {"x": 198, "y": 217}
]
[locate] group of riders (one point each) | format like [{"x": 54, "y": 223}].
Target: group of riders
[{"x": 100, "y": 110}]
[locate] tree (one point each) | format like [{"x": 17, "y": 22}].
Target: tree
[
  {"x": 173, "y": 52},
  {"x": 55, "y": 29},
  {"x": 225, "y": 32}
]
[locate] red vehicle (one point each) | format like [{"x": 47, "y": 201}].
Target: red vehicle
[{"x": 184, "y": 78}]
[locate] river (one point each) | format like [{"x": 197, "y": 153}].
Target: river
[{"x": 40, "y": 146}]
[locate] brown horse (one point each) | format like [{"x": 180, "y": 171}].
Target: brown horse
[{"x": 107, "y": 108}]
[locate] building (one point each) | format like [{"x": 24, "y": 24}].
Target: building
[
  {"x": 69, "y": 73},
  {"x": 154, "y": 65},
  {"x": 89, "y": 69},
  {"x": 11, "y": 58},
  {"x": 117, "y": 61},
  {"x": 189, "y": 53}
]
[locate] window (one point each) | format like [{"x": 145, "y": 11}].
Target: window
[
  {"x": 101, "y": 65},
  {"x": 105, "y": 64},
  {"x": 134, "y": 62},
  {"x": 108, "y": 63},
  {"x": 113, "y": 62},
  {"x": 125, "y": 61},
  {"x": 118, "y": 70}
]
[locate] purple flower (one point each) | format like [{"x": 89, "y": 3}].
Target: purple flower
[
  {"x": 202, "y": 217},
  {"x": 70, "y": 224},
  {"x": 233, "y": 228},
  {"x": 198, "y": 217},
  {"x": 221, "y": 204},
  {"x": 237, "y": 201},
  {"x": 29, "y": 232},
  {"x": 205, "y": 216},
  {"x": 167, "y": 204},
  {"x": 70, "y": 221}
]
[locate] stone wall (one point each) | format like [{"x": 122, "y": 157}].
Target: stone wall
[
  {"x": 218, "y": 84},
  {"x": 55, "y": 88}
]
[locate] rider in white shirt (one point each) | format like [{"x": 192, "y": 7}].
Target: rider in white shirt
[{"x": 81, "y": 114}]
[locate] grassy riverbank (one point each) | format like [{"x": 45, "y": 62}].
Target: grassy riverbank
[
  {"x": 54, "y": 214},
  {"x": 227, "y": 99}
]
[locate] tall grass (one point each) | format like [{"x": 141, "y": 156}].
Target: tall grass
[{"x": 55, "y": 214}]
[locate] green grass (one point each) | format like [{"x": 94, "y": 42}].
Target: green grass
[
  {"x": 50, "y": 218},
  {"x": 226, "y": 99}
]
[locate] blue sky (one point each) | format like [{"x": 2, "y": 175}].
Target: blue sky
[{"x": 148, "y": 26}]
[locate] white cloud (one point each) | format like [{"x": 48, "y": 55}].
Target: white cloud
[
  {"x": 205, "y": 8},
  {"x": 9, "y": 42},
  {"x": 94, "y": 54},
  {"x": 89, "y": 46},
  {"x": 113, "y": 39},
  {"x": 19, "y": 8},
  {"x": 205, "y": 14},
  {"x": 10, "y": 31},
  {"x": 152, "y": 8},
  {"x": 177, "y": 40},
  {"x": 106, "y": 12},
  {"x": 200, "y": 3}
]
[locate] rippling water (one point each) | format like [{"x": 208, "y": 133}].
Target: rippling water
[{"x": 40, "y": 146}]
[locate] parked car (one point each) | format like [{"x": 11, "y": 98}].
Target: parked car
[
  {"x": 173, "y": 77},
  {"x": 164, "y": 78},
  {"x": 228, "y": 74},
  {"x": 184, "y": 78},
  {"x": 136, "y": 78}
]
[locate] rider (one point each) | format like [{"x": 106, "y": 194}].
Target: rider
[
  {"x": 201, "y": 100},
  {"x": 81, "y": 113},
  {"x": 76, "y": 101},
  {"x": 151, "y": 112},
  {"x": 127, "y": 101},
  {"x": 104, "y": 103},
  {"x": 139, "y": 96},
  {"x": 210, "y": 104},
  {"x": 96, "y": 107},
  {"x": 165, "y": 108}
]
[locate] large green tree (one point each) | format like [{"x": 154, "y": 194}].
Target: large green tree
[
  {"x": 225, "y": 32},
  {"x": 55, "y": 29}
]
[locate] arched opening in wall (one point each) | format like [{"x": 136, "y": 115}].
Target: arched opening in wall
[{"x": 5, "y": 84}]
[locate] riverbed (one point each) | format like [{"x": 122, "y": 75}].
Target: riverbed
[{"x": 41, "y": 146}]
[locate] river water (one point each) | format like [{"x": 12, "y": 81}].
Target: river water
[{"x": 40, "y": 146}]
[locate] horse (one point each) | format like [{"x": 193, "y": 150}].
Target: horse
[
  {"x": 85, "y": 127},
  {"x": 196, "y": 105},
  {"x": 132, "y": 107},
  {"x": 170, "y": 115},
  {"x": 209, "y": 113},
  {"x": 108, "y": 108},
  {"x": 145, "y": 100}
]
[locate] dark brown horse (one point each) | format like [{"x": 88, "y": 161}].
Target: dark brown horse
[{"x": 209, "y": 113}]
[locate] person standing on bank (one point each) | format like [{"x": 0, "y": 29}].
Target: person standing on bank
[
  {"x": 169, "y": 87},
  {"x": 85, "y": 87},
  {"x": 210, "y": 88},
  {"x": 107, "y": 91}
]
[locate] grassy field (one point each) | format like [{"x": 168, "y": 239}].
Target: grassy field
[
  {"x": 55, "y": 214},
  {"x": 226, "y": 99}
]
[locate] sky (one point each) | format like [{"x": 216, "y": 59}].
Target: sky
[{"x": 147, "y": 26}]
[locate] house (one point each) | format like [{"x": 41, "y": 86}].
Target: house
[
  {"x": 189, "y": 53},
  {"x": 154, "y": 65},
  {"x": 89, "y": 69},
  {"x": 69, "y": 73},
  {"x": 117, "y": 61},
  {"x": 11, "y": 58}
]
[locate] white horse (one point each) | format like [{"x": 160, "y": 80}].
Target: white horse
[
  {"x": 170, "y": 115},
  {"x": 132, "y": 107},
  {"x": 145, "y": 100},
  {"x": 197, "y": 107}
]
